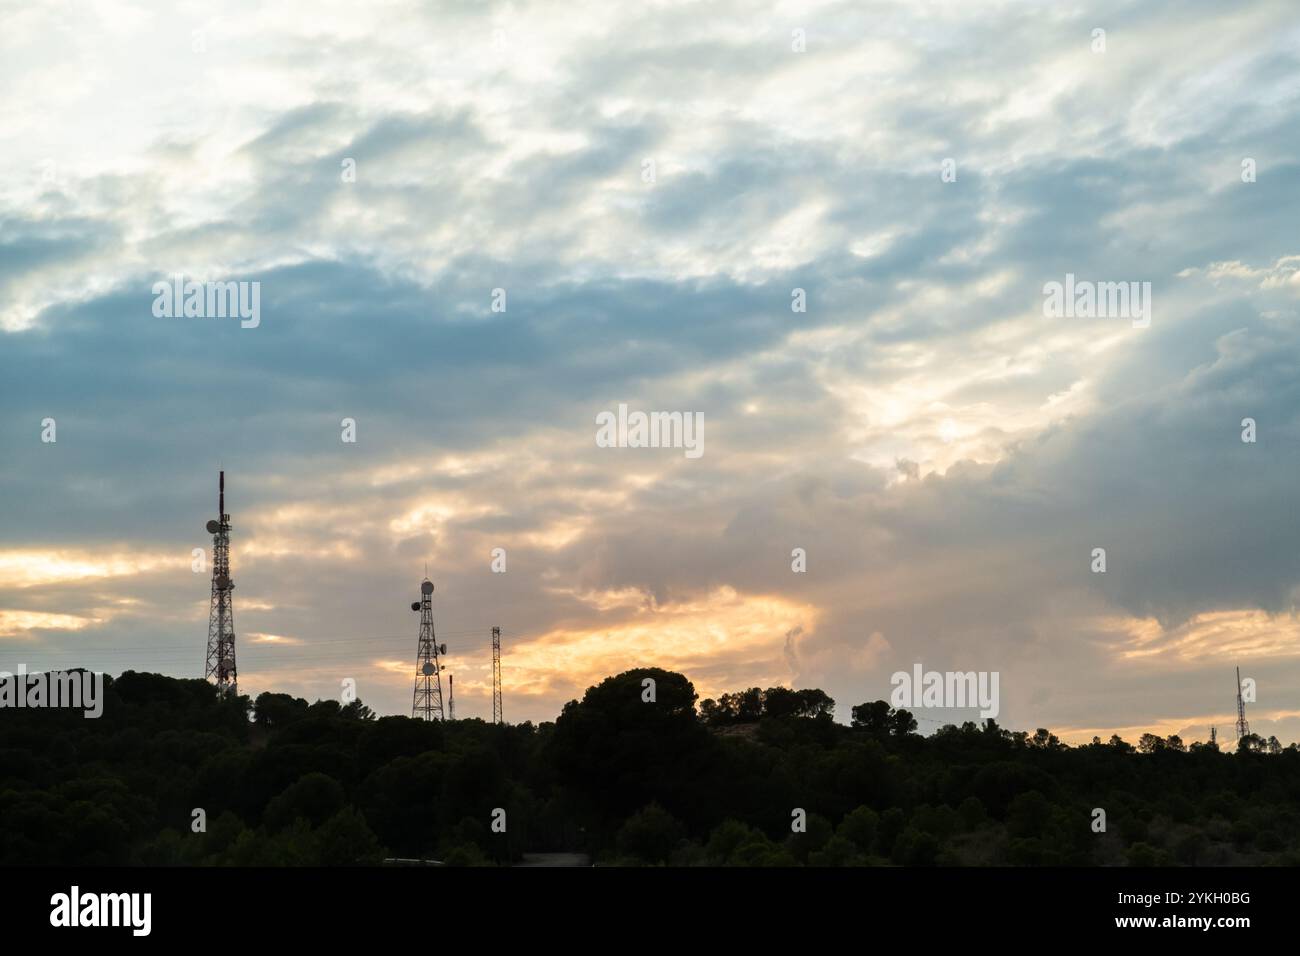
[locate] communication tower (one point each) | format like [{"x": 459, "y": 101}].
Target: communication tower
[
  {"x": 220, "y": 665},
  {"x": 427, "y": 702}
]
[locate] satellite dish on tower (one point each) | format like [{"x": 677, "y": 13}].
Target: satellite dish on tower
[
  {"x": 428, "y": 669},
  {"x": 223, "y": 582},
  {"x": 442, "y": 648},
  {"x": 213, "y": 527},
  {"x": 426, "y": 587},
  {"x": 415, "y": 605}
]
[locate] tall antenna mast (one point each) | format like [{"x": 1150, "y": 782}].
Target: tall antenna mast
[
  {"x": 451, "y": 696},
  {"x": 1214, "y": 737},
  {"x": 220, "y": 662},
  {"x": 497, "y": 718},
  {"x": 427, "y": 701},
  {"x": 1243, "y": 728}
]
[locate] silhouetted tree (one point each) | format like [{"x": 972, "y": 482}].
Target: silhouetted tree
[{"x": 629, "y": 772}]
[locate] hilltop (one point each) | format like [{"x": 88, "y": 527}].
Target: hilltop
[{"x": 280, "y": 781}]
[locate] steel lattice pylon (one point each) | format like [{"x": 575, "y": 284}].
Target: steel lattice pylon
[
  {"x": 496, "y": 675},
  {"x": 1243, "y": 726},
  {"x": 220, "y": 666},
  {"x": 427, "y": 702}
]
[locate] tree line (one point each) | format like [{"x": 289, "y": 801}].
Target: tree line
[{"x": 174, "y": 774}]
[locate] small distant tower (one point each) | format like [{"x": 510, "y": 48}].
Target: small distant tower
[
  {"x": 220, "y": 665},
  {"x": 1243, "y": 728},
  {"x": 496, "y": 676},
  {"x": 451, "y": 696},
  {"x": 1214, "y": 737},
  {"x": 427, "y": 702}
]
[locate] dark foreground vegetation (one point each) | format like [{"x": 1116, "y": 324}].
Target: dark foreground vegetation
[{"x": 625, "y": 780}]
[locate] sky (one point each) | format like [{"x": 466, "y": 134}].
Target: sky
[{"x": 647, "y": 187}]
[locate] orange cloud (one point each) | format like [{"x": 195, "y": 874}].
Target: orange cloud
[
  {"x": 22, "y": 623},
  {"x": 26, "y": 569},
  {"x": 256, "y": 637},
  {"x": 722, "y": 639},
  {"x": 1236, "y": 634}
]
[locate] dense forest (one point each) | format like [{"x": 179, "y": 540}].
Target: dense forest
[{"x": 172, "y": 774}]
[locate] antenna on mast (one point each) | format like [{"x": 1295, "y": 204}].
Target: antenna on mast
[
  {"x": 1243, "y": 728},
  {"x": 426, "y": 702},
  {"x": 219, "y": 665},
  {"x": 497, "y": 716}
]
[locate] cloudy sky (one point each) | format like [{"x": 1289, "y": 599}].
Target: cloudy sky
[{"x": 948, "y": 456}]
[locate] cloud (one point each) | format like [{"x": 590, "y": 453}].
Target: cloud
[{"x": 947, "y": 456}]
